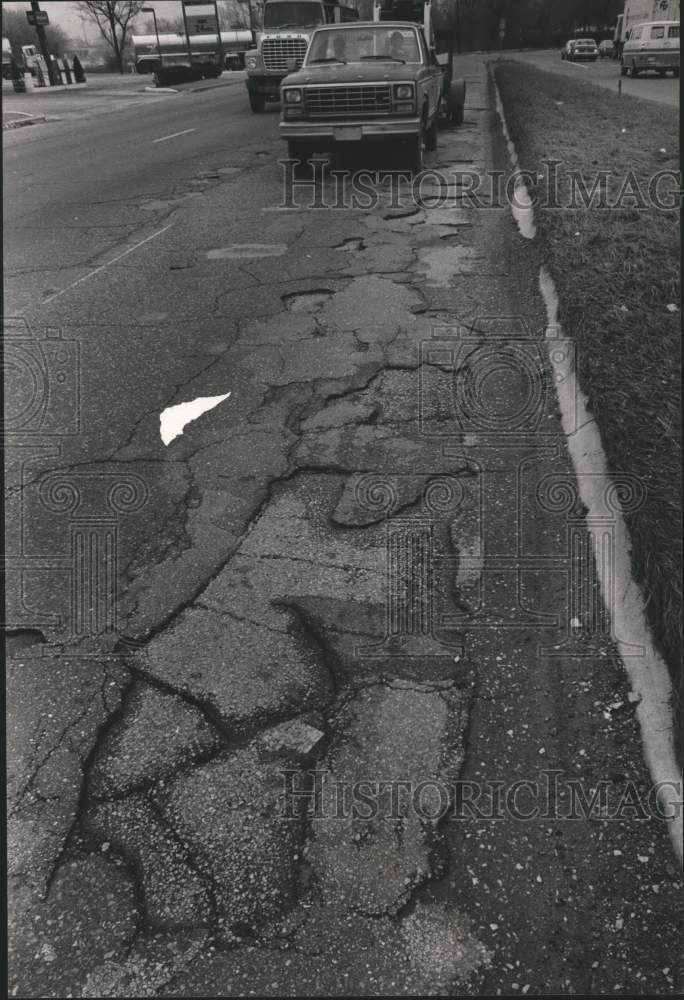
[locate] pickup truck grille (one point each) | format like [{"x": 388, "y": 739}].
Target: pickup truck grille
[
  {"x": 278, "y": 53},
  {"x": 341, "y": 102}
]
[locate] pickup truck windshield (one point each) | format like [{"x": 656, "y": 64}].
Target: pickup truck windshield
[
  {"x": 293, "y": 14},
  {"x": 355, "y": 44}
]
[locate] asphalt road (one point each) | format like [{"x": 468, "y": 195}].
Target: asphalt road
[
  {"x": 84, "y": 189},
  {"x": 247, "y": 620},
  {"x": 605, "y": 73}
]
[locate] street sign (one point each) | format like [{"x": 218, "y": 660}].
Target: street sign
[{"x": 35, "y": 17}]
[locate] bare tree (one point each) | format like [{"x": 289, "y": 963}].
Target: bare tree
[
  {"x": 240, "y": 13},
  {"x": 168, "y": 25},
  {"x": 112, "y": 19}
]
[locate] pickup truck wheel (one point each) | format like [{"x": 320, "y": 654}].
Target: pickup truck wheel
[
  {"x": 431, "y": 134},
  {"x": 456, "y": 102},
  {"x": 257, "y": 102},
  {"x": 416, "y": 154},
  {"x": 456, "y": 113}
]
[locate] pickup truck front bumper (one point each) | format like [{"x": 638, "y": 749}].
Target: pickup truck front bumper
[{"x": 330, "y": 134}]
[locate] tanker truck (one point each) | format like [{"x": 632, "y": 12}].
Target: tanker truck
[{"x": 172, "y": 60}]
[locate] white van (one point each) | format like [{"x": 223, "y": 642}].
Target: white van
[{"x": 652, "y": 45}]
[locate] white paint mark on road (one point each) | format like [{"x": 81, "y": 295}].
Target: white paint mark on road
[
  {"x": 174, "y": 135},
  {"x": 621, "y": 595},
  {"x": 114, "y": 260},
  {"x": 240, "y": 251},
  {"x": 522, "y": 209},
  {"x": 174, "y": 419}
]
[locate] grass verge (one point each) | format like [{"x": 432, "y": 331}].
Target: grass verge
[{"x": 616, "y": 268}]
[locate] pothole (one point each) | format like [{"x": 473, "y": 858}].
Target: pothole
[
  {"x": 402, "y": 213},
  {"x": 351, "y": 244},
  {"x": 156, "y": 205},
  {"x": 307, "y": 301},
  {"x": 441, "y": 264},
  {"x": 241, "y": 251},
  {"x": 454, "y": 235}
]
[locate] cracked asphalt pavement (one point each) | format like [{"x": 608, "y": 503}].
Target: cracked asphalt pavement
[{"x": 269, "y": 685}]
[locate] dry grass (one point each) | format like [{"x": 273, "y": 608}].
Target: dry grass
[{"x": 617, "y": 270}]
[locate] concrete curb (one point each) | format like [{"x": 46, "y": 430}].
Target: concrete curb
[
  {"x": 20, "y": 122},
  {"x": 218, "y": 86},
  {"x": 57, "y": 87}
]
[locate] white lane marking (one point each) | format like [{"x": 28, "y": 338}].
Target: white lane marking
[
  {"x": 174, "y": 135},
  {"x": 173, "y": 419},
  {"x": 114, "y": 260}
]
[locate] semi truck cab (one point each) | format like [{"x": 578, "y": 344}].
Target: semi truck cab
[{"x": 281, "y": 44}]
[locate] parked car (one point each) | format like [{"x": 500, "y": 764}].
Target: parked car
[
  {"x": 651, "y": 46},
  {"x": 606, "y": 49},
  {"x": 367, "y": 83},
  {"x": 567, "y": 48},
  {"x": 584, "y": 50}
]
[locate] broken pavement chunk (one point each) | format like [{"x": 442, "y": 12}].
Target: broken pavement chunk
[
  {"x": 295, "y": 737},
  {"x": 230, "y": 812},
  {"x": 402, "y": 750},
  {"x": 158, "y": 734}
]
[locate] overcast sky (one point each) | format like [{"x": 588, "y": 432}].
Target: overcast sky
[{"x": 64, "y": 14}]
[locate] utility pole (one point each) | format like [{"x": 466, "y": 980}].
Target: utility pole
[{"x": 42, "y": 42}]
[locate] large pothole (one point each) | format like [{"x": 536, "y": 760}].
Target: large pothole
[{"x": 307, "y": 301}]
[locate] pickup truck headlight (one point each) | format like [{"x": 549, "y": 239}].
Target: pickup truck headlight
[
  {"x": 292, "y": 96},
  {"x": 404, "y": 92},
  {"x": 251, "y": 62}
]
